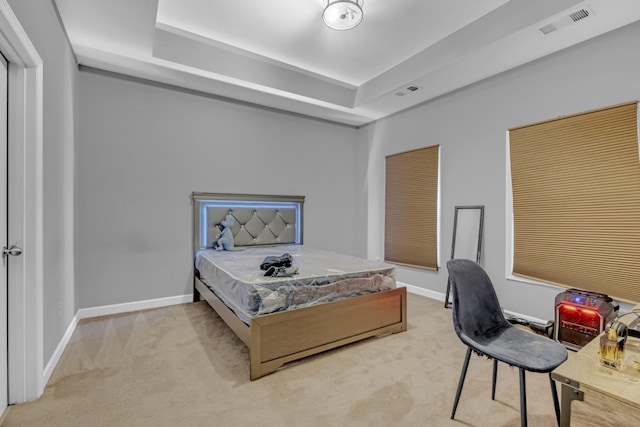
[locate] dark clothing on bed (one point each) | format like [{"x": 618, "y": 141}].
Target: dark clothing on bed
[{"x": 284, "y": 260}]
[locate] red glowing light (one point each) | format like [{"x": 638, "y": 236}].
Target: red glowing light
[{"x": 580, "y": 315}]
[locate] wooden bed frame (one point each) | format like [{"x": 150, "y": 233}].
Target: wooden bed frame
[{"x": 278, "y": 338}]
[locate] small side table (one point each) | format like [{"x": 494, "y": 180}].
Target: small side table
[{"x": 592, "y": 395}]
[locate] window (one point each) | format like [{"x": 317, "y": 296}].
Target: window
[
  {"x": 576, "y": 201},
  {"x": 411, "y": 208}
]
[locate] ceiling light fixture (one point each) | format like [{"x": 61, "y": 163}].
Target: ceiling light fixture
[{"x": 342, "y": 14}]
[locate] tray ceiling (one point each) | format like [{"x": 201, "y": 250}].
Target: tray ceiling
[{"x": 279, "y": 54}]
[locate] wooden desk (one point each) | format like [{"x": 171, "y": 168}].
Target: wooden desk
[{"x": 592, "y": 395}]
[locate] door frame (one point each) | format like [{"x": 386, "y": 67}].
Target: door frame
[{"x": 25, "y": 126}]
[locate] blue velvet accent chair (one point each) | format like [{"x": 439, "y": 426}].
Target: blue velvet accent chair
[{"x": 480, "y": 324}]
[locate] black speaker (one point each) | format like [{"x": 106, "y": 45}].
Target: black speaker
[{"x": 580, "y": 316}]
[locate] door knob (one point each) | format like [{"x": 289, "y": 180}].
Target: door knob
[{"x": 13, "y": 251}]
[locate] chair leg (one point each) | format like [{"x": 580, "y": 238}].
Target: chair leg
[
  {"x": 461, "y": 381},
  {"x": 493, "y": 379},
  {"x": 447, "y": 303},
  {"x": 523, "y": 400},
  {"x": 554, "y": 393}
]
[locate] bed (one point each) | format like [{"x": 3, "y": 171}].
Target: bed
[{"x": 330, "y": 301}]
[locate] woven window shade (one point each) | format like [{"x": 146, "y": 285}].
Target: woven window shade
[
  {"x": 411, "y": 208},
  {"x": 576, "y": 201}
]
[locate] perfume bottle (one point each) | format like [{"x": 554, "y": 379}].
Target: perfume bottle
[{"x": 612, "y": 345}]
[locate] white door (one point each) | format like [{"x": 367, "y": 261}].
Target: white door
[{"x": 3, "y": 235}]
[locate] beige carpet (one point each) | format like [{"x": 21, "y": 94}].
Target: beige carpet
[{"x": 181, "y": 366}]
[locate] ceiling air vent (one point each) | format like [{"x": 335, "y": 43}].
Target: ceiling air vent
[
  {"x": 563, "y": 21},
  {"x": 580, "y": 14},
  {"x": 549, "y": 28},
  {"x": 406, "y": 90}
]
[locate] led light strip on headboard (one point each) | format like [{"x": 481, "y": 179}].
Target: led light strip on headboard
[{"x": 260, "y": 220}]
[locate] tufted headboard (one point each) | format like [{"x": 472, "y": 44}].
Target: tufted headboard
[{"x": 260, "y": 220}]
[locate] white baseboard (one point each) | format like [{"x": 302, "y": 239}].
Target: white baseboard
[
  {"x": 104, "y": 310},
  {"x": 438, "y": 296},
  {"x": 524, "y": 317},
  {"x": 57, "y": 354}
]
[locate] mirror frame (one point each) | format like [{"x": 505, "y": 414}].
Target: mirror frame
[{"x": 477, "y": 244}]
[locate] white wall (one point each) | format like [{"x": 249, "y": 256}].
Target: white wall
[
  {"x": 143, "y": 148},
  {"x": 470, "y": 125},
  {"x": 39, "y": 20}
]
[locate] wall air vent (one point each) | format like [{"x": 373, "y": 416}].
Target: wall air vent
[
  {"x": 563, "y": 21},
  {"x": 406, "y": 90}
]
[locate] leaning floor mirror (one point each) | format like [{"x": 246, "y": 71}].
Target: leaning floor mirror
[{"x": 467, "y": 237}]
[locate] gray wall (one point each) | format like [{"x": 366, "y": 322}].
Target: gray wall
[
  {"x": 40, "y": 21},
  {"x": 471, "y": 125},
  {"x": 143, "y": 149}
]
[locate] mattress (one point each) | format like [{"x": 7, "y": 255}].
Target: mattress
[{"x": 323, "y": 276}]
